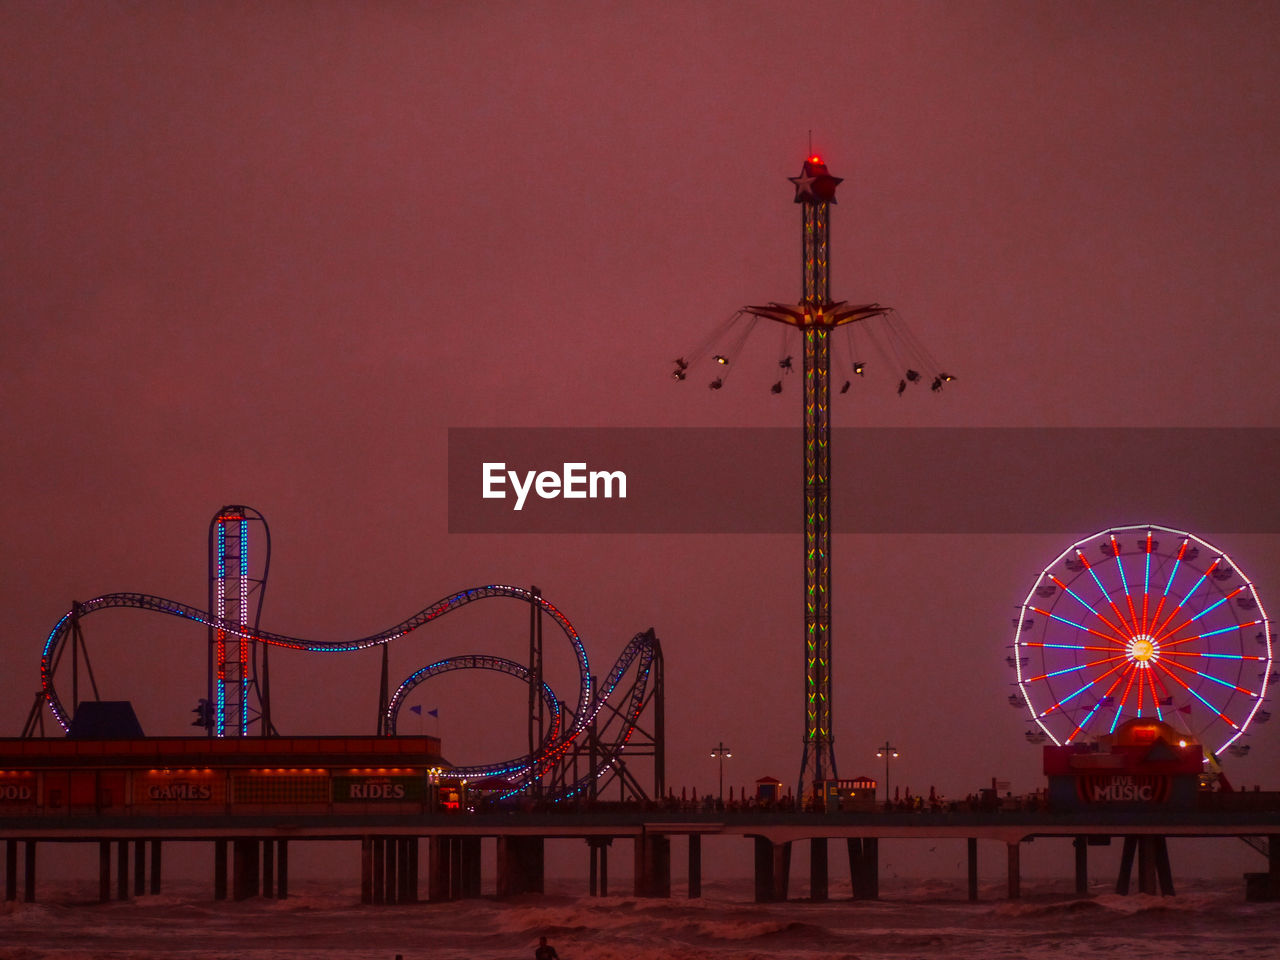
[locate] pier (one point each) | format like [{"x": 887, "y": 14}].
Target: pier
[{"x": 252, "y": 851}]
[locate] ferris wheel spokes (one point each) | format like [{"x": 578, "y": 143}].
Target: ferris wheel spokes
[{"x": 1142, "y": 638}]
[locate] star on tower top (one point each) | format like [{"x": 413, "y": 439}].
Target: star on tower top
[{"x": 815, "y": 184}]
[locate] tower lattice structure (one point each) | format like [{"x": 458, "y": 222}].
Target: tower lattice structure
[{"x": 816, "y": 316}]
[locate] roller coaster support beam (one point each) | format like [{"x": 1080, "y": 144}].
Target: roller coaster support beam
[
  {"x": 646, "y": 743},
  {"x": 383, "y": 696},
  {"x": 537, "y": 709},
  {"x": 267, "y": 728},
  {"x": 593, "y": 748},
  {"x": 35, "y": 717},
  {"x": 78, "y": 651}
]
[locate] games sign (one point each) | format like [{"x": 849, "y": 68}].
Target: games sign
[{"x": 178, "y": 789}]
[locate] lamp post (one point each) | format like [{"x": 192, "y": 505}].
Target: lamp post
[
  {"x": 889, "y": 752},
  {"x": 719, "y": 752}
]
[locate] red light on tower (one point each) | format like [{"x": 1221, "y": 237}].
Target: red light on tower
[{"x": 815, "y": 183}]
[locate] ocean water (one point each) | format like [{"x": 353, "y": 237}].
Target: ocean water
[{"x": 914, "y": 919}]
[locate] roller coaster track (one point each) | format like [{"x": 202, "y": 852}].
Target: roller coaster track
[{"x": 560, "y": 740}]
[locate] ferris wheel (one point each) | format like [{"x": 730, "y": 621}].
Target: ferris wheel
[{"x": 1143, "y": 621}]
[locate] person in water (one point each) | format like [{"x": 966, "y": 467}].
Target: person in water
[{"x": 545, "y": 951}]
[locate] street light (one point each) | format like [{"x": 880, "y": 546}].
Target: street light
[
  {"x": 889, "y": 752},
  {"x": 719, "y": 752}
]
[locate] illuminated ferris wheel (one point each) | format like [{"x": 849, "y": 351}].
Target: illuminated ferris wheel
[{"x": 1143, "y": 621}]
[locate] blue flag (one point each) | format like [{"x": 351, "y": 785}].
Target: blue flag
[
  {"x": 434, "y": 713},
  {"x": 416, "y": 709}
]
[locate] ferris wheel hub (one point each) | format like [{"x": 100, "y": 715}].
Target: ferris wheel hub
[{"x": 1142, "y": 649}]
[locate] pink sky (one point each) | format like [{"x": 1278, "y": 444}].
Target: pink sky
[{"x": 268, "y": 254}]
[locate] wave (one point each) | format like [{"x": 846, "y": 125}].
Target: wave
[{"x": 327, "y": 922}]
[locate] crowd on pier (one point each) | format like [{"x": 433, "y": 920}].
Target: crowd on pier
[{"x": 903, "y": 802}]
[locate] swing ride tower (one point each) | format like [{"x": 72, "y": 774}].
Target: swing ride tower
[{"x": 816, "y": 316}]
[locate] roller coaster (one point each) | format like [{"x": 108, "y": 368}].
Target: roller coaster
[{"x": 576, "y": 750}]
